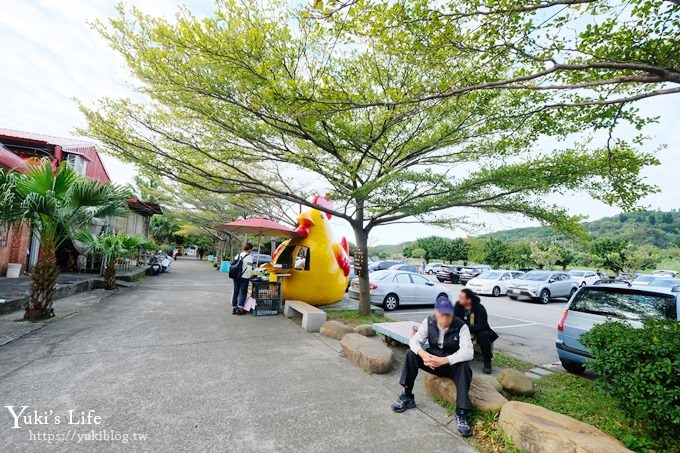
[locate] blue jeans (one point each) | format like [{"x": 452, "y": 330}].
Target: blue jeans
[{"x": 240, "y": 292}]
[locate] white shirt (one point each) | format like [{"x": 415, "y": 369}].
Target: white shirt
[
  {"x": 247, "y": 264},
  {"x": 464, "y": 354}
]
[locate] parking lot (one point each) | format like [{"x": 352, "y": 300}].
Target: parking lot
[{"x": 527, "y": 329}]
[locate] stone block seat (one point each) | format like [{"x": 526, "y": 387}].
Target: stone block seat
[{"x": 312, "y": 317}]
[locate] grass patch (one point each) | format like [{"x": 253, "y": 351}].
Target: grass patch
[
  {"x": 486, "y": 435},
  {"x": 354, "y": 318},
  {"x": 503, "y": 360},
  {"x": 571, "y": 395},
  {"x": 580, "y": 398}
]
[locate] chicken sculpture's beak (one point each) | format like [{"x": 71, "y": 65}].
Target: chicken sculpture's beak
[{"x": 305, "y": 220}]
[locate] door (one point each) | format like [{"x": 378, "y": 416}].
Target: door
[
  {"x": 425, "y": 292},
  {"x": 564, "y": 283},
  {"x": 503, "y": 282},
  {"x": 404, "y": 288}
]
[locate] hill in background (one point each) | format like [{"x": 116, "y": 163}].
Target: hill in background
[{"x": 657, "y": 228}]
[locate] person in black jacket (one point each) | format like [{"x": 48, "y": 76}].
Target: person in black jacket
[{"x": 470, "y": 309}]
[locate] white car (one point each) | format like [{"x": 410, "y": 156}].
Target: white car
[
  {"x": 664, "y": 274},
  {"x": 393, "y": 288},
  {"x": 584, "y": 277},
  {"x": 493, "y": 282}
]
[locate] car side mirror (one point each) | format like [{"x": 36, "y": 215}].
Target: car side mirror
[
  {"x": 551, "y": 281},
  {"x": 429, "y": 284}
]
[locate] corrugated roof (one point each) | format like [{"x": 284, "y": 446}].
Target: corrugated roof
[{"x": 95, "y": 168}]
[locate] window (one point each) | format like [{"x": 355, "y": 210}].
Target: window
[
  {"x": 4, "y": 231},
  {"x": 419, "y": 280},
  {"x": 302, "y": 259},
  {"x": 507, "y": 276},
  {"x": 625, "y": 305},
  {"x": 78, "y": 163},
  {"x": 402, "y": 278}
]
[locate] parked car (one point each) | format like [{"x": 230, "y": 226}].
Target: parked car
[
  {"x": 260, "y": 258},
  {"x": 665, "y": 273},
  {"x": 404, "y": 267},
  {"x": 433, "y": 268},
  {"x": 597, "y": 303},
  {"x": 470, "y": 272},
  {"x": 382, "y": 265},
  {"x": 392, "y": 289},
  {"x": 542, "y": 286},
  {"x": 493, "y": 282},
  {"x": 665, "y": 282},
  {"x": 584, "y": 277},
  {"x": 449, "y": 273},
  {"x": 643, "y": 279}
]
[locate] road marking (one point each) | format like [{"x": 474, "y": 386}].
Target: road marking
[
  {"x": 407, "y": 313},
  {"x": 516, "y": 325}
]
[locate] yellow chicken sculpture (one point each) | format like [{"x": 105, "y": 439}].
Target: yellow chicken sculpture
[{"x": 317, "y": 264}]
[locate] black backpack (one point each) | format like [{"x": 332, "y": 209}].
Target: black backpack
[{"x": 236, "y": 267}]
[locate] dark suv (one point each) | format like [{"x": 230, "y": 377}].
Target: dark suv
[
  {"x": 470, "y": 272},
  {"x": 449, "y": 273},
  {"x": 382, "y": 265}
]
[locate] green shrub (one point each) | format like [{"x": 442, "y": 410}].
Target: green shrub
[{"x": 640, "y": 368}]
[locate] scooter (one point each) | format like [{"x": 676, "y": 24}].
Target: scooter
[
  {"x": 155, "y": 265},
  {"x": 166, "y": 262}
]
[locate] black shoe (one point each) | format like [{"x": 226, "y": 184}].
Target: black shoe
[
  {"x": 487, "y": 368},
  {"x": 404, "y": 403},
  {"x": 234, "y": 311},
  {"x": 241, "y": 311},
  {"x": 463, "y": 425}
]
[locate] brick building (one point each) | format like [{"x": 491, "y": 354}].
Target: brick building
[{"x": 17, "y": 149}]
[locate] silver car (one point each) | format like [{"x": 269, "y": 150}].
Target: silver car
[
  {"x": 392, "y": 288},
  {"x": 543, "y": 286},
  {"x": 610, "y": 300}
]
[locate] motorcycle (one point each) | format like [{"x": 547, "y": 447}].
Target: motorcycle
[
  {"x": 155, "y": 265},
  {"x": 166, "y": 262}
]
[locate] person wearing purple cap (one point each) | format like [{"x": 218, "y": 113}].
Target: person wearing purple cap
[{"x": 450, "y": 349}]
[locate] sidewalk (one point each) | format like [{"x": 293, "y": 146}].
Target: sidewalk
[{"x": 168, "y": 361}]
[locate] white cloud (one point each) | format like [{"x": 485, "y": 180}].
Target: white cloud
[{"x": 51, "y": 55}]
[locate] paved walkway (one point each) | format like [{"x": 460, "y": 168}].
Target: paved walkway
[{"x": 166, "y": 367}]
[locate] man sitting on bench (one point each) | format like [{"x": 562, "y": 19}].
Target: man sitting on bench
[{"x": 450, "y": 350}]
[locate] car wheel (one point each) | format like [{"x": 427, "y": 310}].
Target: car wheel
[
  {"x": 430, "y": 272},
  {"x": 573, "y": 367},
  {"x": 513, "y": 297},
  {"x": 391, "y": 302},
  {"x": 544, "y": 297},
  {"x": 572, "y": 292},
  {"x": 496, "y": 291}
]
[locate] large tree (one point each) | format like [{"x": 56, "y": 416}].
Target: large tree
[{"x": 264, "y": 101}]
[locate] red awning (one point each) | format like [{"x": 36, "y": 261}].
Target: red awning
[{"x": 12, "y": 161}]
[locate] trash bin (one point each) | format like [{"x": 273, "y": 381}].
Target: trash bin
[
  {"x": 224, "y": 267},
  {"x": 13, "y": 270}
]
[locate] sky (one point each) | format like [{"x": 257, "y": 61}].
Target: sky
[{"x": 51, "y": 56}]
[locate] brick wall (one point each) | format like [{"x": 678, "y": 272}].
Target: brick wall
[{"x": 14, "y": 249}]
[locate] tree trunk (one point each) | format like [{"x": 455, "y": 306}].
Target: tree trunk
[
  {"x": 43, "y": 285},
  {"x": 361, "y": 266},
  {"x": 110, "y": 275}
]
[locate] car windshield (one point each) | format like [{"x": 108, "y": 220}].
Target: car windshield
[
  {"x": 577, "y": 273},
  {"x": 536, "y": 276},
  {"x": 490, "y": 275},
  {"x": 620, "y": 304},
  {"x": 666, "y": 282},
  {"x": 644, "y": 278}
]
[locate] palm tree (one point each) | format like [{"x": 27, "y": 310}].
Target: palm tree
[
  {"x": 112, "y": 246},
  {"x": 57, "y": 204}
]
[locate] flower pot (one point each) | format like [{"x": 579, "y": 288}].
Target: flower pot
[{"x": 13, "y": 270}]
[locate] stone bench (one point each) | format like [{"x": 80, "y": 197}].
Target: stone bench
[{"x": 312, "y": 317}]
